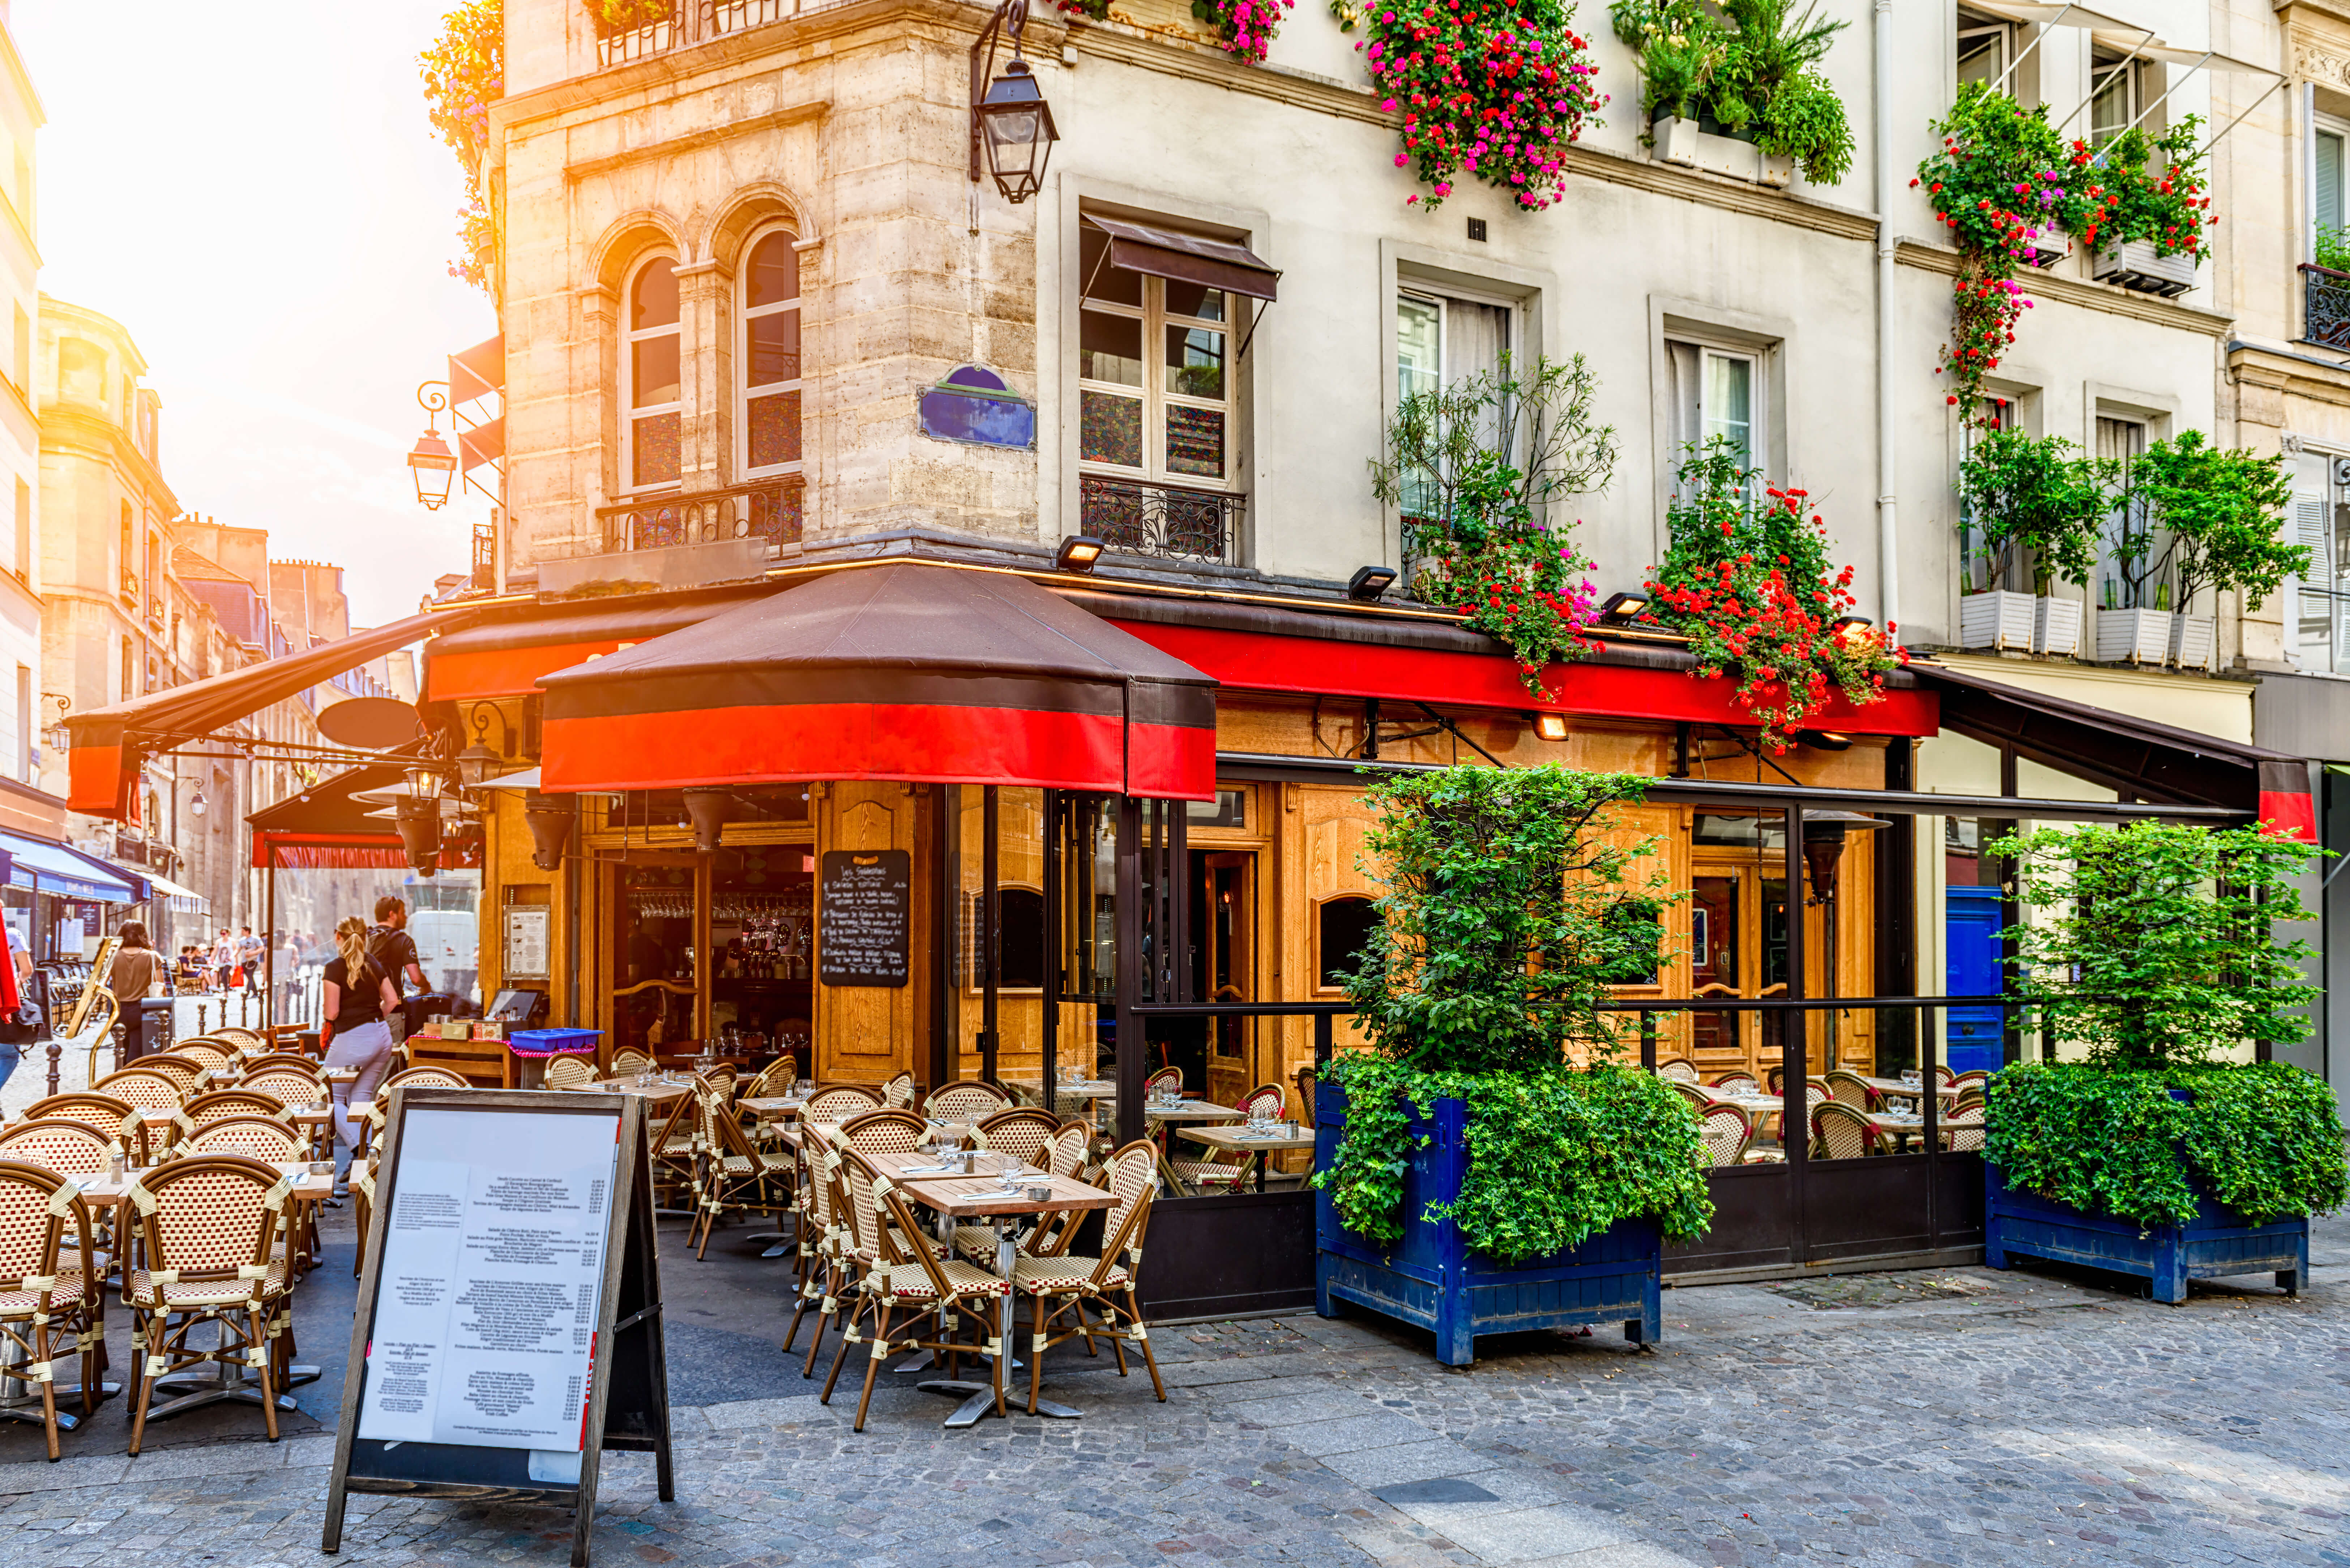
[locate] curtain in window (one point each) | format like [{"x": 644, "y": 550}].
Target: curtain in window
[
  {"x": 1684, "y": 367},
  {"x": 1475, "y": 337},
  {"x": 2326, "y": 201}
]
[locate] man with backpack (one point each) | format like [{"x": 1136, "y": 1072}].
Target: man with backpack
[
  {"x": 391, "y": 946},
  {"x": 248, "y": 959}
]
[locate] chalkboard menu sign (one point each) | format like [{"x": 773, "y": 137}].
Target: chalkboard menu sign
[{"x": 864, "y": 917}]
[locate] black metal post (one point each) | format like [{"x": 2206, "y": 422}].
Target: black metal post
[
  {"x": 991, "y": 934},
  {"x": 1133, "y": 1061},
  {"x": 946, "y": 891},
  {"x": 1795, "y": 1042},
  {"x": 1055, "y": 978}
]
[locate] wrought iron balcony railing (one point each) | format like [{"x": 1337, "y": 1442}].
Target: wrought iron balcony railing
[
  {"x": 666, "y": 24},
  {"x": 1161, "y": 519},
  {"x": 2325, "y": 306},
  {"x": 771, "y": 511}
]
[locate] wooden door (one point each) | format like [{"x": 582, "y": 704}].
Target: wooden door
[{"x": 869, "y": 1034}]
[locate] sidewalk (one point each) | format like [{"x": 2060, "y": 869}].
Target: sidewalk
[{"x": 30, "y": 1081}]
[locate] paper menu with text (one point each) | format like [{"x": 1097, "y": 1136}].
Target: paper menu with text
[{"x": 491, "y": 1279}]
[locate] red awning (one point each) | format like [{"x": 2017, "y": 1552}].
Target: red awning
[
  {"x": 904, "y": 670},
  {"x": 110, "y": 743},
  {"x": 503, "y": 653}
]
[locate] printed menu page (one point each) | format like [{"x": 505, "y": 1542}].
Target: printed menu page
[{"x": 493, "y": 1269}]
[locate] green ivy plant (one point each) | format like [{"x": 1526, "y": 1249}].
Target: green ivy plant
[
  {"x": 1504, "y": 922},
  {"x": 2038, "y": 500}
]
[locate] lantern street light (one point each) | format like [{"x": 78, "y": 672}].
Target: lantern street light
[
  {"x": 429, "y": 460},
  {"x": 1010, "y": 122}
]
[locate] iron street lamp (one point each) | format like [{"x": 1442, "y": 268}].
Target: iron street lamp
[
  {"x": 1011, "y": 123},
  {"x": 429, "y": 460}
]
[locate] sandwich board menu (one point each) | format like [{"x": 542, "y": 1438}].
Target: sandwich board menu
[
  {"x": 509, "y": 1323},
  {"x": 864, "y": 914}
]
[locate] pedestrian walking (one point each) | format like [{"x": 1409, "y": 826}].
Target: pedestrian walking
[
  {"x": 391, "y": 946},
  {"x": 248, "y": 959},
  {"x": 223, "y": 958},
  {"x": 16, "y": 1030},
  {"x": 139, "y": 969},
  {"x": 358, "y": 1003}
]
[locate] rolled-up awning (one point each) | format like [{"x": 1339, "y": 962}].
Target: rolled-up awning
[
  {"x": 1187, "y": 258},
  {"x": 907, "y": 671},
  {"x": 110, "y": 743}
]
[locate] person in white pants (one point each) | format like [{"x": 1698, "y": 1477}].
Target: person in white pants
[{"x": 358, "y": 996}]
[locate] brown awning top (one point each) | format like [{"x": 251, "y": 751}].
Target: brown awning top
[{"x": 1187, "y": 258}]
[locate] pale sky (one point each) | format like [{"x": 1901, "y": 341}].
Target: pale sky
[{"x": 253, "y": 191}]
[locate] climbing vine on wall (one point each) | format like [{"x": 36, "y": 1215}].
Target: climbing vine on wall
[{"x": 464, "y": 73}]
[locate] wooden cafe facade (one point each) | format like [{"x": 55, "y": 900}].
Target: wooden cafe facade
[{"x": 963, "y": 818}]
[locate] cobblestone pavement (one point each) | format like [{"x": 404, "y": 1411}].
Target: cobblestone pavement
[{"x": 1948, "y": 1417}]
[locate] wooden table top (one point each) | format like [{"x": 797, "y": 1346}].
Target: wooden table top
[
  {"x": 771, "y": 1107},
  {"x": 1240, "y": 1138},
  {"x": 1896, "y": 1086},
  {"x": 114, "y": 1189},
  {"x": 980, "y": 1197},
  {"x": 660, "y": 1093},
  {"x": 1194, "y": 1111}
]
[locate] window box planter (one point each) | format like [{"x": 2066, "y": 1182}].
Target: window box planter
[
  {"x": 1688, "y": 143},
  {"x": 2195, "y": 641},
  {"x": 2215, "y": 1243},
  {"x": 2044, "y": 250},
  {"x": 2056, "y": 626},
  {"x": 1996, "y": 619},
  {"x": 1432, "y": 1279},
  {"x": 2133, "y": 635},
  {"x": 2133, "y": 264}
]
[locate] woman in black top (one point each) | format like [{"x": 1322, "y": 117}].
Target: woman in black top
[{"x": 356, "y": 997}]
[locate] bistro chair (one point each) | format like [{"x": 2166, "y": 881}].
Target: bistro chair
[
  {"x": 424, "y": 1078},
  {"x": 221, "y": 1104},
  {"x": 965, "y": 1100},
  {"x": 775, "y": 1080},
  {"x": 142, "y": 1086},
  {"x": 185, "y": 1071},
  {"x": 50, "y": 1296},
  {"x": 362, "y": 1182},
  {"x": 732, "y": 1173},
  {"x": 819, "y": 1262},
  {"x": 103, "y": 1112},
  {"x": 1064, "y": 1156},
  {"x": 1032, "y": 1136},
  {"x": 721, "y": 1078},
  {"x": 1774, "y": 1080},
  {"x": 1679, "y": 1069},
  {"x": 898, "y": 1094},
  {"x": 1164, "y": 1079},
  {"x": 1737, "y": 1082},
  {"x": 1225, "y": 1167},
  {"x": 1839, "y": 1131},
  {"x": 262, "y": 1138},
  {"x": 1845, "y": 1087},
  {"x": 888, "y": 1281},
  {"x": 240, "y": 1038},
  {"x": 1943, "y": 1074},
  {"x": 570, "y": 1072},
  {"x": 1305, "y": 1095},
  {"x": 1975, "y": 1079},
  {"x": 1059, "y": 1283},
  {"x": 1725, "y": 1132},
  {"x": 294, "y": 1059},
  {"x": 207, "y": 1050},
  {"x": 882, "y": 1132},
  {"x": 54, "y": 1143},
  {"x": 210, "y": 1228},
  {"x": 1690, "y": 1092},
  {"x": 289, "y": 1086},
  {"x": 627, "y": 1063}
]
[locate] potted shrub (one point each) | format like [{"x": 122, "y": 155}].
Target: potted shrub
[
  {"x": 2029, "y": 504},
  {"x": 2153, "y": 956},
  {"x": 1492, "y": 1163},
  {"x": 1738, "y": 90},
  {"x": 2217, "y": 512},
  {"x": 1475, "y": 466}
]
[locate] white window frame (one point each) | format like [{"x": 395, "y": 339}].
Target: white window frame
[
  {"x": 1758, "y": 403},
  {"x": 2339, "y": 130},
  {"x": 630, "y": 413},
  {"x": 746, "y": 392},
  {"x": 2131, "y": 73},
  {"x": 2003, "y": 35},
  {"x": 1153, "y": 395}
]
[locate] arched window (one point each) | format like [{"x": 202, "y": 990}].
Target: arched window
[
  {"x": 654, "y": 382},
  {"x": 1344, "y": 929},
  {"x": 769, "y": 356}
]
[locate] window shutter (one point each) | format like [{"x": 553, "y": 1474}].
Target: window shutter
[
  {"x": 2326, "y": 201},
  {"x": 2322, "y": 629}
]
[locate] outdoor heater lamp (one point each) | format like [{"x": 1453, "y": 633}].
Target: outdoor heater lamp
[
  {"x": 1824, "y": 836},
  {"x": 708, "y": 810},
  {"x": 1012, "y": 124},
  {"x": 420, "y": 833},
  {"x": 550, "y": 818}
]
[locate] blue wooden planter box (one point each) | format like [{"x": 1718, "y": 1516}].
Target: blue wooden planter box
[
  {"x": 1434, "y": 1279},
  {"x": 2216, "y": 1242}
]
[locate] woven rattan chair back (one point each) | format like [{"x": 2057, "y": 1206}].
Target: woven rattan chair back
[
  {"x": 33, "y": 1227},
  {"x": 1131, "y": 1176},
  {"x": 1067, "y": 1148},
  {"x": 965, "y": 1100},
  {"x": 1965, "y": 1102},
  {"x": 1725, "y": 1132},
  {"x": 1845, "y": 1088},
  {"x": 859, "y": 1210},
  {"x": 276, "y": 1059},
  {"x": 884, "y": 1132},
  {"x": 212, "y": 1214},
  {"x": 223, "y": 1104},
  {"x": 1692, "y": 1093},
  {"x": 68, "y": 1148},
  {"x": 570, "y": 1072},
  {"x": 239, "y": 1038},
  {"x": 1680, "y": 1069},
  {"x": 1165, "y": 1078},
  {"x": 103, "y": 1112},
  {"x": 147, "y": 1089},
  {"x": 426, "y": 1078},
  {"x": 1022, "y": 1130},
  {"x": 1774, "y": 1080},
  {"x": 721, "y": 1079},
  {"x": 256, "y": 1137},
  {"x": 1270, "y": 1101},
  {"x": 1305, "y": 1095},
  {"x": 49, "y": 1294},
  {"x": 185, "y": 1071},
  {"x": 1844, "y": 1132},
  {"x": 1737, "y": 1082},
  {"x": 898, "y": 1094},
  {"x": 627, "y": 1064},
  {"x": 1943, "y": 1074},
  {"x": 839, "y": 1103},
  {"x": 775, "y": 1080},
  {"x": 289, "y": 1086},
  {"x": 1975, "y": 1079},
  {"x": 205, "y": 1051}
]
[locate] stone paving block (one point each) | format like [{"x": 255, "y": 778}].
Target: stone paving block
[
  {"x": 90, "y": 1470},
  {"x": 1501, "y": 1534},
  {"x": 1354, "y": 1433},
  {"x": 1406, "y": 1462}
]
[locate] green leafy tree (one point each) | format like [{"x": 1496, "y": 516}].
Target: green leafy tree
[
  {"x": 464, "y": 73},
  {"x": 2037, "y": 499},
  {"x": 2219, "y": 512},
  {"x": 2153, "y": 944}
]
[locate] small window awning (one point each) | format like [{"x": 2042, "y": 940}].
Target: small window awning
[
  {"x": 902, "y": 670},
  {"x": 324, "y": 827},
  {"x": 1187, "y": 258},
  {"x": 109, "y": 744},
  {"x": 67, "y": 872},
  {"x": 2133, "y": 756}
]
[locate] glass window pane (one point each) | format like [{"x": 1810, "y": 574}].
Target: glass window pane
[
  {"x": 775, "y": 271},
  {"x": 1420, "y": 332},
  {"x": 1982, "y": 56},
  {"x": 2109, "y": 110},
  {"x": 774, "y": 348},
  {"x": 1109, "y": 349},
  {"x": 1109, "y": 429},
  {"x": 774, "y": 430},
  {"x": 1098, "y": 279},
  {"x": 655, "y": 304},
  {"x": 1195, "y": 362},
  {"x": 652, "y": 458},
  {"x": 1195, "y": 442},
  {"x": 2326, "y": 199},
  {"x": 1194, "y": 300},
  {"x": 652, "y": 372},
  {"x": 1730, "y": 403}
]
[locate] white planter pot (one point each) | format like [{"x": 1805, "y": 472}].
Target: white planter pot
[
  {"x": 2045, "y": 251},
  {"x": 2195, "y": 641},
  {"x": 2133, "y": 635},
  {"x": 1778, "y": 169},
  {"x": 1681, "y": 142},
  {"x": 1996, "y": 620},
  {"x": 2134, "y": 265},
  {"x": 2056, "y": 626},
  {"x": 1675, "y": 141}
]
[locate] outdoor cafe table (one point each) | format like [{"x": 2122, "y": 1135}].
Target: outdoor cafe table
[
  {"x": 981, "y": 1199},
  {"x": 771, "y": 1107},
  {"x": 1894, "y": 1088},
  {"x": 1258, "y": 1145}
]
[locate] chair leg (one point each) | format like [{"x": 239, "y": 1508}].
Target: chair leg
[
  {"x": 838, "y": 1356},
  {"x": 50, "y": 1410},
  {"x": 1036, "y": 1343},
  {"x": 143, "y": 1348},
  {"x": 1134, "y": 1315},
  {"x": 798, "y": 1312},
  {"x": 872, "y": 1364},
  {"x": 259, "y": 1330},
  {"x": 823, "y": 1312},
  {"x": 1117, "y": 1340}
]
